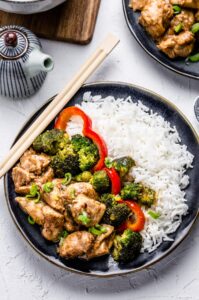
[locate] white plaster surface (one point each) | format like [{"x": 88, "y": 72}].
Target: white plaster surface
[{"x": 23, "y": 274}]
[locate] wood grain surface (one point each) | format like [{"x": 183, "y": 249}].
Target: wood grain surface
[{"x": 73, "y": 21}]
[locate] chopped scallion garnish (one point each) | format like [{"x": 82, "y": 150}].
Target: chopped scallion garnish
[
  {"x": 31, "y": 220},
  {"x": 48, "y": 187},
  {"x": 153, "y": 214},
  {"x": 84, "y": 219},
  {"x": 176, "y": 9},
  {"x": 67, "y": 179},
  {"x": 178, "y": 28}
]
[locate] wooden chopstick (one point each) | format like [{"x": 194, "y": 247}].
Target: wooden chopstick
[{"x": 58, "y": 103}]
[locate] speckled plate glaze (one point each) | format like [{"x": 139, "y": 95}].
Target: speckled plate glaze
[
  {"x": 105, "y": 266},
  {"x": 177, "y": 65}
]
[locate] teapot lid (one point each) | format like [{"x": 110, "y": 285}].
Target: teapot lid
[{"x": 13, "y": 44}]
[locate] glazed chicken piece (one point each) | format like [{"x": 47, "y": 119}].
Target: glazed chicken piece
[
  {"x": 74, "y": 189},
  {"x": 55, "y": 198},
  {"x": 22, "y": 179},
  {"x": 102, "y": 243},
  {"x": 89, "y": 208},
  {"x": 70, "y": 224},
  {"x": 137, "y": 4},
  {"x": 44, "y": 177},
  {"x": 155, "y": 17},
  {"x": 186, "y": 3},
  {"x": 76, "y": 244},
  {"x": 180, "y": 45},
  {"x": 34, "y": 163},
  {"x": 53, "y": 224},
  {"x": 31, "y": 168},
  {"x": 51, "y": 221},
  {"x": 186, "y": 18},
  {"x": 35, "y": 210}
]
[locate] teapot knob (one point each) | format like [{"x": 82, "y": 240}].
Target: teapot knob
[{"x": 11, "y": 39}]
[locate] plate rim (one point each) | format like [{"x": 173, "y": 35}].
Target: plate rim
[
  {"x": 55, "y": 261},
  {"x": 149, "y": 52}
]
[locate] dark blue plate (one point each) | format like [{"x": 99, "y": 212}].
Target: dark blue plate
[
  {"x": 177, "y": 65},
  {"x": 105, "y": 266}
]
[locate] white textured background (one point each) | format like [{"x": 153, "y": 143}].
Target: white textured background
[{"x": 23, "y": 274}]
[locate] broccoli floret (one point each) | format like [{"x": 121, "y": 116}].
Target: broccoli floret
[
  {"x": 78, "y": 141},
  {"x": 131, "y": 191},
  {"x": 100, "y": 181},
  {"x": 51, "y": 141},
  {"x": 127, "y": 246},
  {"x": 65, "y": 161},
  {"x": 84, "y": 176},
  {"x": 123, "y": 165},
  {"x": 116, "y": 213},
  {"x": 138, "y": 192},
  {"x": 87, "y": 151},
  {"x": 147, "y": 197},
  {"x": 88, "y": 157}
]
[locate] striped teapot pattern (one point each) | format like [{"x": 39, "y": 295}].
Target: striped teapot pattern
[{"x": 23, "y": 66}]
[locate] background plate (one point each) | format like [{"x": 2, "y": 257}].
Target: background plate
[
  {"x": 177, "y": 65},
  {"x": 105, "y": 266}
]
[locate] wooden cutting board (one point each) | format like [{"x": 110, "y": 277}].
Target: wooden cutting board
[{"x": 73, "y": 21}]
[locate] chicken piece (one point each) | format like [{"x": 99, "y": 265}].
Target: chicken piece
[
  {"x": 186, "y": 18},
  {"x": 55, "y": 198},
  {"x": 102, "y": 243},
  {"x": 137, "y": 4},
  {"x": 45, "y": 177},
  {"x": 35, "y": 210},
  {"x": 89, "y": 208},
  {"x": 74, "y": 189},
  {"x": 155, "y": 17},
  {"x": 70, "y": 224},
  {"x": 20, "y": 177},
  {"x": 76, "y": 244},
  {"x": 180, "y": 45},
  {"x": 34, "y": 163},
  {"x": 186, "y": 3},
  {"x": 53, "y": 224},
  {"x": 51, "y": 221}
]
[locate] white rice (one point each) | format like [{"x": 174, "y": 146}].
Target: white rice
[{"x": 161, "y": 161}]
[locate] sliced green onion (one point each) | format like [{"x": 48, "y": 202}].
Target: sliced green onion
[
  {"x": 108, "y": 162},
  {"x": 72, "y": 193},
  {"x": 153, "y": 214},
  {"x": 84, "y": 218},
  {"x": 67, "y": 179},
  {"x": 176, "y": 9},
  {"x": 194, "y": 58},
  {"x": 178, "y": 28},
  {"x": 63, "y": 234},
  {"x": 31, "y": 220},
  {"x": 48, "y": 187},
  {"x": 195, "y": 28},
  {"x": 97, "y": 230},
  {"x": 34, "y": 193}
]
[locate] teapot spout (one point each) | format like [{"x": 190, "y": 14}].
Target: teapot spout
[{"x": 39, "y": 61}]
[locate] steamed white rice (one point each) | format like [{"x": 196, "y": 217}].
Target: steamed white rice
[{"x": 161, "y": 161}]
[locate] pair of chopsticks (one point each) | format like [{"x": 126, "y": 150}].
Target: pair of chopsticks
[{"x": 53, "y": 109}]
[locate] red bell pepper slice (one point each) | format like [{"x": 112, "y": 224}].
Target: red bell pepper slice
[
  {"x": 67, "y": 113},
  {"x": 137, "y": 224},
  {"x": 101, "y": 145},
  {"x": 65, "y": 116},
  {"x": 115, "y": 180}
]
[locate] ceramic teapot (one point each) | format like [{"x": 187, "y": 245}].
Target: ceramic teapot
[{"x": 23, "y": 66}]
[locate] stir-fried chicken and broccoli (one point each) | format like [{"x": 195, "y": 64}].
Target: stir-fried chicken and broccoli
[
  {"x": 84, "y": 201},
  {"x": 173, "y": 25}
]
